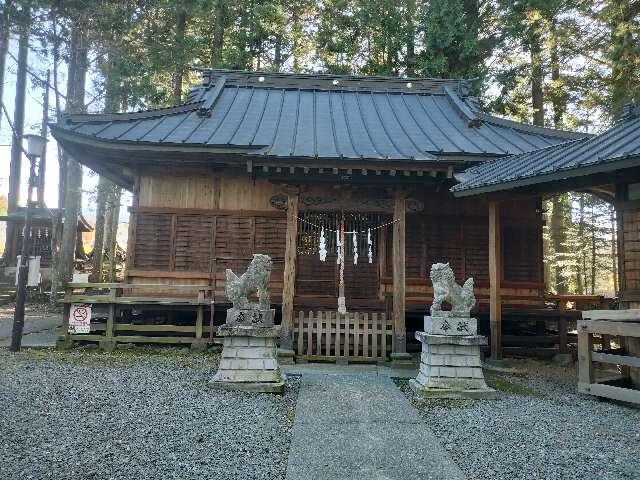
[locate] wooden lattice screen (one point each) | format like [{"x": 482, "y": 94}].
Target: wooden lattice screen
[
  {"x": 195, "y": 242},
  {"x": 329, "y": 335}
]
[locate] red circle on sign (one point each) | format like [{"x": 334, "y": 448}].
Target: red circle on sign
[{"x": 80, "y": 314}]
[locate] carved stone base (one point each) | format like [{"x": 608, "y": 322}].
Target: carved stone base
[
  {"x": 448, "y": 325},
  {"x": 450, "y": 367},
  {"x": 249, "y": 360},
  {"x": 250, "y": 317}
]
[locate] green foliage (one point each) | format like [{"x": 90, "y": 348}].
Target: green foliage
[{"x": 579, "y": 237}]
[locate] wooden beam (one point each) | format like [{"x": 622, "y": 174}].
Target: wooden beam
[
  {"x": 495, "y": 274},
  {"x": 289, "y": 284},
  {"x": 398, "y": 253}
]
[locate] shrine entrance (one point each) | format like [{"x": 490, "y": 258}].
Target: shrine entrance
[{"x": 318, "y": 279}]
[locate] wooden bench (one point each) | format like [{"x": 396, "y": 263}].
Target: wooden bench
[
  {"x": 114, "y": 296},
  {"x": 625, "y": 325}
]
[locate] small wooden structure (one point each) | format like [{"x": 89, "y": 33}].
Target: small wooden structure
[
  {"x": 41, "y": 232},
  {"x": 258, "y": 162},
  {"x": 624, "y": 325}
]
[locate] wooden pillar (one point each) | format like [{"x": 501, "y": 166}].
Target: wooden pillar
[
  {"x": 495, "y": 279},
  {"x": 289, "y": 287},
  {"x": 398, "y": 260}
]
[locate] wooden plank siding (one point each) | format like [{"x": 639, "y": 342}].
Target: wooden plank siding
[{"x": 189, "y": 229}]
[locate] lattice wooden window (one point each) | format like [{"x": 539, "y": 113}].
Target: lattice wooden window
[
  {"x": 153, "y": 247},
  {"x": 193, "y": 238},
  {"x": 476, "y": 250}
]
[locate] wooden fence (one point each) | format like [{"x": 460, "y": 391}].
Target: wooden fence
[
  {"x": 119, "y": 296},
  {"x": 356, "y": 336}
]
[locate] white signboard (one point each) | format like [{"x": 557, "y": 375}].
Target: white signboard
[
  {"x": 33, "y": 277},
  {"x": 80, "y": 318}
]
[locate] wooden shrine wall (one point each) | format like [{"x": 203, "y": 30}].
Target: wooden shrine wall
[
  {"x": 456, "y": 231},
  {"x": 629, "y": 237},
  {"x": 187, "y": 229}
]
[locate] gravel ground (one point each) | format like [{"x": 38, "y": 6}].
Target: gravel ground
[
  {"x": 135, "y": 414},
  {"x": 538, "y": 428}
]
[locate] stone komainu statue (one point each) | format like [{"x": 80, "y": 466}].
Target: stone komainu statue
[
  {"x": 254, "y": 280},
  {"x": 445, "y": 288}
]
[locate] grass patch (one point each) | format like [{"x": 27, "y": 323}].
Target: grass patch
[
  {"x": 425, "y": 404},
  {"x": 501, "y": 384}
]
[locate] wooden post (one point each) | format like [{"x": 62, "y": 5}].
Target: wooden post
[
  {"x": 495, "y": 279},
  {"x": 585, "y": 367},
  {"x": 562, "y": 327},
  {"x": 289, "y": 287},
  {"x": 398, "y": 260}
]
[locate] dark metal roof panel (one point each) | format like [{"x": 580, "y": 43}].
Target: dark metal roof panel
[
  {"x": 299, "y": 116},
  {"x": 621, "y": 141}
]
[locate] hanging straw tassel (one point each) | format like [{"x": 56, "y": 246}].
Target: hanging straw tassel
[
  {"x": 323, "y": 246},
  {"x": 355, "y": 248}
]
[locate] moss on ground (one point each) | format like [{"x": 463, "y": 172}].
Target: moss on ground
[
  {"x": 500, "y": 383},
  {"x": 119, "y": 358}
]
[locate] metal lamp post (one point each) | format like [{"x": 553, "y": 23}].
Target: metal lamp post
[{"x": 35, "y": 149}]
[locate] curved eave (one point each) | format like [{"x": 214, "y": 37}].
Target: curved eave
[{"x": 73, "y": 140}]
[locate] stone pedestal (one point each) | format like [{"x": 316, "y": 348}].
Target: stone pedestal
[
  {"x": 450, "y": 364},
  {"x": 249, "y": 356}
]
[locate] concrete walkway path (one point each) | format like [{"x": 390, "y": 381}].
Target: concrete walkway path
[
  {"x": 354, "y": 423},
  {"x": 39, "y": 331}
]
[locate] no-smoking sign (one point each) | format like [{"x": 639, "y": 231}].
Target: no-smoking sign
[{"x": 80, "y": 318}]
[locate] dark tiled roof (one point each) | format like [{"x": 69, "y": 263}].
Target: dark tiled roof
[
  {"x": 291, "y": 115},
  {"x": 571, "y": 159},
  {"x": 43, "y": 214}
]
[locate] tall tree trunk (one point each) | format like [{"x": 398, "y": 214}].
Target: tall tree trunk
[
  {"x": 218, "y": 36},
  {"x": 56, "y": 230},
  {"x": 179, "y": 49},
  {"x": 622, "y": 53},
  {"x": 593, "y": 251},
  {"x": 18, "y": 119},
  {"x": 104, "y": 187},
  {"x": 112, "y": 217},
  {"x": 73, "y": 192},
  {"x": 15, "y": 165},
  {"x": 580, "y": 271},
  {"x": 296, "y": 33},
  {"x": 4, "y": 46},
  {"x": 557, "y": 96},
  {"x": 549, "y": 280},
  {"x": 44, "y": 132},
  {"x": 614, "y": 253},
  {"x": 537, "y": 96},
  {"x": 277, "y": 56},
  {"x": 410, "y": 61},
  {"x": 559, "y": 235}
]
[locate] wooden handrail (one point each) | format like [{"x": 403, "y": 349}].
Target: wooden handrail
[{"x": 122, "y": 286}]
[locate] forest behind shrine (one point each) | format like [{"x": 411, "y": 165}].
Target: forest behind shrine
[{"x": 558, "y": 63}]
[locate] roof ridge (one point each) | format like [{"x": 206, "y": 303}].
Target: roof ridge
[
  {"x": 529, "y": 128},
  {"x": 266, "y": 73},
  {"x": 124, "y": 116}
]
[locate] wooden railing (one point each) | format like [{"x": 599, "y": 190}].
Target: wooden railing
[
  {"x": 118, "y": 296},
  {"x": 625, "y": 326},
  {"x": 356, "y": 336}
]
